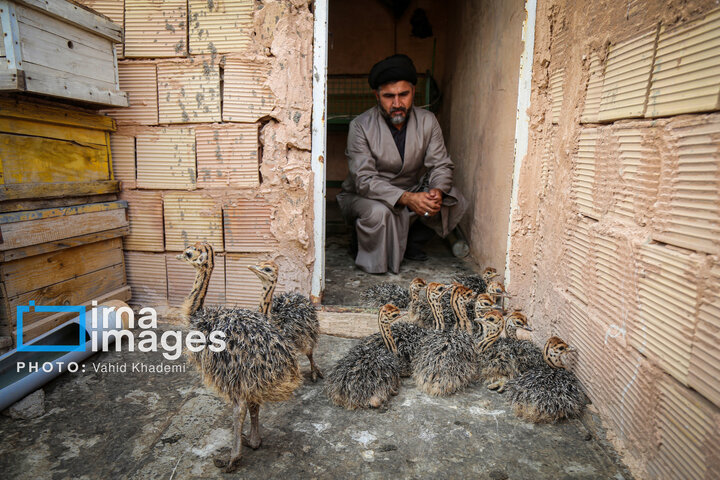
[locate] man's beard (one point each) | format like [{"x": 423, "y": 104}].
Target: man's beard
[{"x": 394, "y": 119}]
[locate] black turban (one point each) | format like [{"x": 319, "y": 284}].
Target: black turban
[{"x": 392, "y": 69}]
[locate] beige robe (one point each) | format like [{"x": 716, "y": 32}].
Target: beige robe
[{"x": 378, "y": 177}]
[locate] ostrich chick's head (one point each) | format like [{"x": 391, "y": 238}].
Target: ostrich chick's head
[
  {"x": 266, "y": 271},
  {"x": 435, "y": 291},
  {"x": 388, "y": 314},
  {"x": 495, "y": 289},
  {"x": 488, "y": 274},
  {"x": 514, "y": 321},
  {"x": 483, "y": 303},
  {"x": 416, "y": 285},
  {"x": 492, "y": 325},
  {"x": 554, "y": 349},
  {"x": 200, "y": 256}
]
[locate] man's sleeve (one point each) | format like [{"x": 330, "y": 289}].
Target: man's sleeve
[
  {"x": 437, "y": 160},
  {"x": 363, "y": 170}
]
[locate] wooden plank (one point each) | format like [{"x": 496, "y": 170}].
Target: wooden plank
[
  {"x": 32, "y": 273},
  {"x": 74, "y": 291},
  {"x": 22, "y": 205},
  {"x": 23, "y": 234},
  {"x": 4, "y": 312},
  {"x": 79, "y": 16},
  {"x": 61, "y": 211},
  {"x": 11, "y": 36},
  {"x": 59, "y": 132},
  {"x": 54, "y": 44},
  {"x": 347, "y": 324},
  {"x": 2, "y": 43},
  {"x": 56, "y": 190},
  {"x": 10, "y": 80},
  {"x": 64, "y": 243},
  {"x": 44, "y": 80},
  {"x": 48, "y": 323},
  {"x": 22, "y": 108},
  {"x": 45, "y": 160}
]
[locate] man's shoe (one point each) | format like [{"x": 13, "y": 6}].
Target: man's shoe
[{"x": 415, "y": 253}]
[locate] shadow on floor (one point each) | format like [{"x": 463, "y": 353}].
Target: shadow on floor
[{"x": 344, "y": 281}]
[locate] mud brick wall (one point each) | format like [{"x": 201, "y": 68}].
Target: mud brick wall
[
  {"x": 215, "y": 145},
  {"x": 616, "y": 235}
]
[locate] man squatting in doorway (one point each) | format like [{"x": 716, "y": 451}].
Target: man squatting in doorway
[{"x": 400, "y": 174}]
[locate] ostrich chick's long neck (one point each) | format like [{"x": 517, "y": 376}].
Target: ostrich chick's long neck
[
  {"x": 458, "y": 301},
  {"x": 268, "y": 288},
  {"x": 195, "y": 300},
  {"x": 437, "y": 311}
]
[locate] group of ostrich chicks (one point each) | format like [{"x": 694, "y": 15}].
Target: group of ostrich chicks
[{"x": 452, "y": 338}]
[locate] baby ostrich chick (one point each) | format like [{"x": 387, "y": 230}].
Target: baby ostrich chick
[
  {"x": 258, "y": 364},
  {"x": 292, "y": 313},
  {"x": 510, "y": 356},
  {"x": 384, "y": 293},
  {"x": 476, "y": 283},
  {"x": 369, "y": 373},
  {"x": 447, "y": 361},
  {"x": 550, "y": 393},
  {"x": 416, "y": 297}
]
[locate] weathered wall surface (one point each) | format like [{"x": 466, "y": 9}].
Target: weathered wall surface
[
  {"x": 216, "y": 143},
  {"x": 482, "y": 57},
  {"x": 616, "y": 235}
]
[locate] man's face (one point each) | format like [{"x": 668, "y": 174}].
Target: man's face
[{"x": 395, "y": 100}]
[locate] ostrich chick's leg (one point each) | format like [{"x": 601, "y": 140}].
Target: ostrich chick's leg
[
  {"x": 238, "y": 419},
  {"x": 254, "y": 440},
  {"x": 315, "y": 372}
]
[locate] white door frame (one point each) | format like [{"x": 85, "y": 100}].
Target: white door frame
[
  {"x": 522, "y": 121},
  {"x": 319, "y": 144}
]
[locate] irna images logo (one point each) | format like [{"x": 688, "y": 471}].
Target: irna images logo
[
  {"x": 107, "y": 327},
  {"x": 23, "y": 309}
]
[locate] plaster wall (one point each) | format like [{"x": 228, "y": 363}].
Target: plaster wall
[
  {"x": 216, "y": 143},
  {"x": 615, "y": 236},
  {"x": 480, "y": 81}
]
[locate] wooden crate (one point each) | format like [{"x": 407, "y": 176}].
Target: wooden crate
[
  {"x": 49, "y": 154},
  {"x": 60, "y": 256},
  {"x": 60, "y": 49},
  {"x": 71, "y": 276}
]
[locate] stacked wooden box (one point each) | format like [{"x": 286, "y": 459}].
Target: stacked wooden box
[{"x": 61, "y": 222}]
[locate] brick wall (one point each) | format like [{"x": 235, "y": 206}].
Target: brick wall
[
  {"x": 616, "y": 236},
  {"x": 215, "y": 145}
]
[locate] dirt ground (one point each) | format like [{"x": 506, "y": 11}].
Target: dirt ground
[{"x": 142, "y": 425}]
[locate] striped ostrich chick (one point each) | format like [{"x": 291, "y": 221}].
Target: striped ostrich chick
[
  {"x": 496, "y": 291},
  {"x": 510, "y": 356},
  {"x": 476, "y": 283},
  {"x": 384, "y": 293},
  {"x": 406, "y": 337},
  {"x": 489, "y": 330},
  {"x": 447, "y": 361},
  {"x": 549, "y": 393},
  {"x": 292, "y": 313},
  {"x": 369, "y": 374},
  {"x": 425, "y": 318},
  {"x": 483, "y": 303},
  {"x": 418, "y": 302},
  {"x": 258, "y": 364}
]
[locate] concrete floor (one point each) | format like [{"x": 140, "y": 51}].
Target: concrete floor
[
  {"x": 133, "y": 425},
  {"x": 344, "y": 281}
]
